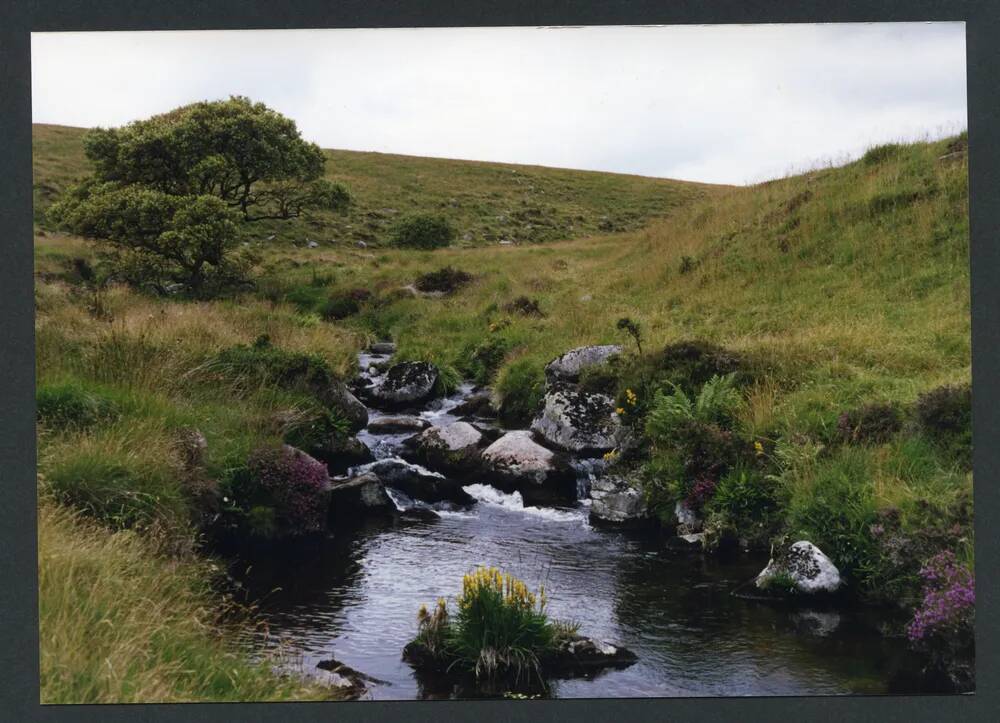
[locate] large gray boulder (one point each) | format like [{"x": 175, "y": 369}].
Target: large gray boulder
[
  {"x": 416, "y": 481},
  {"x": 804, "y": 566},
  {"x": 405, "y": 384},
  {"x": 352, "y": 499},
  {"x": 516, "y": 462},
  {"x": 578, "y": 422},
  {"x": 340, "y": 399},
  {"x": 452, "y": 449},
  {"x": 567, "y": 368},
  {"x": 619, "y": 502}
]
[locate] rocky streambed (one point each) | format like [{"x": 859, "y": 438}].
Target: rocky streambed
[{"x": 436, "y": 486}]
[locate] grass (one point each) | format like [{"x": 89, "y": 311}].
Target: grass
[
  {"x": 840, "y": 287},
  {"x": 120, "y": 623}
]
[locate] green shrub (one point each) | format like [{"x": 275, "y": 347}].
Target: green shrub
[
  {"x": 340, "y": 306},
  {"x": 871, "y": 424},
  {"x": 524, "y": 306},
  {"x": 744, "y": 494},
  {"x": 716, "y": 403},
  {"x": 444, "y": 280},
  {"x": 945, "y": 415},
  {"x": 264, "y": 364},
  {"x": 520, "y": 387},
  {"x": 836, "y": 511},
  {"x": 423, "y": 232},
  {"x": 69, "y": 405},
  {"x": 121, "y": 493},
  {"x": 877, "y": 154},
  {"x": 480, "y": 361}
]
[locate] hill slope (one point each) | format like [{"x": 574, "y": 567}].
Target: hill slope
[{"x": 487, "y": 202}]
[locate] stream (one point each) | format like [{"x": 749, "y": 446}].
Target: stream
[{"x": 356, "y": 599}]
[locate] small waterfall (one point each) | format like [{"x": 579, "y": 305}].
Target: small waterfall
[{"x": 587, "y": 469}]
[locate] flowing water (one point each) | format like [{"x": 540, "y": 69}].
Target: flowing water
[{"x": 356, "y": 597}]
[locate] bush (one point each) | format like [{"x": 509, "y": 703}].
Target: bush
[
  {"x": 444, "y": 280},
  {"x": 871, "y": 424},
  {"x": 423, "y": 232},
  {"x": 68, "y": 405},
  {"x": 945, "y": 415},
  {"x": 264, "y": 364},
  {"x": 745, "y": 495},
  {"x": 689, "y": 364},
  {"x": 481, "y": 361},
  {"x": 282, "y": 492},
  {"x": 339, "y": 306},
  {"x": 877, "y": 154},
  {"x": 524, "y": 306},
  {"x": 520, "y": 387},
  {"x": 121, "y": 493}
]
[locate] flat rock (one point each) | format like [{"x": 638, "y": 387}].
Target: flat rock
[{"x": 397, "y": 424}]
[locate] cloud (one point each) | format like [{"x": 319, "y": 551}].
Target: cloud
[{"x": 714, "y": 103}]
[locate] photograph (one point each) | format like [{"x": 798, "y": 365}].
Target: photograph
[{"x": 517, "y": 363}]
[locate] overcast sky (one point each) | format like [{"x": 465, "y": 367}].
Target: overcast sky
[{"x": 728, "y": 104}]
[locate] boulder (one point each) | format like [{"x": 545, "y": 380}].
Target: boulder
[
  {"x": 618, "y": 502},
  {"x": 452, "y": 449},
  {"x": 567, "y": 367},
  {"x": 340, "y": 399},
  {"x": 417, "y": 482},
  {"x": 578, "y": 422},
  {"x": 516, "y": 462},
  {"x": 803, "y": 565},
  {"x": 688, "y": 521},
  {"x": 398, "y": 424},
  {"x": 478, "y": 405},
  {"x": 405, "y": 384},
  {"x": 351, "y": 499},
  {"x": 382, "y": 347},
  {"x": 342, "y": 453}
]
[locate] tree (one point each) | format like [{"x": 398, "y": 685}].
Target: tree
[{"x": 169, "y": 195}]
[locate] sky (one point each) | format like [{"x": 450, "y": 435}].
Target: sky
[{"x": 722, "y": 104}]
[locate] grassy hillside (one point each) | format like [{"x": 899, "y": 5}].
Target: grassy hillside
[
  {"x": 840, "y": 288},
  {"x": 487, "y": 202}
]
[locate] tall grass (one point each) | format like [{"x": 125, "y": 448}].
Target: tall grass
[{"x": 119, "y": 623}]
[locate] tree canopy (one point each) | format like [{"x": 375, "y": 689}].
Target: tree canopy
[{"x": 170, "y": 194}]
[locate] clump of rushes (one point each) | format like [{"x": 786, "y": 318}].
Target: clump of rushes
[{"x": 500, "y": 627}]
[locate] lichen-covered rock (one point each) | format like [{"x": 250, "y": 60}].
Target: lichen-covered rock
[
  {"x": 416, "y": 481},
  {"x": 578, "y": 422},
  {"x": 452, "y": 449},
  {"x": 340, "y": 400},
  {"x": 581, "y": 655},
  {"x": 341, "y": 453},
  {"x": 567, "y": 367},
  {"x": 803, "y": 565},
  {"x": 405, "y": 384},
  {"x": 619, "y": 502},
  {"x": 516, "y": 462}
]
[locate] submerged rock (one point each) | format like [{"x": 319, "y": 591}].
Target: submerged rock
[
  {"x": 578, "y": 422},
  {"x": 692, "y": 542},
  {"x": 805, "y": 567},
  {"x": 516, "y": 462},
  {"x": 417, "y": 482},
  {"x": 567, "y": 367},
  {"x": 618, "y": 501},
  {"x": 405, "y": 384},
  {"x": 352, "y": 683},
  {"x": 397, "y": 424},
  {"x": 451, "y": 449},
  {"x": 581, "y": 655}
]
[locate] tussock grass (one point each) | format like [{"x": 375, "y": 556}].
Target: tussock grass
[{"x": 119, "y": 623}]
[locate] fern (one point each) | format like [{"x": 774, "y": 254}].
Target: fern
[{"x": 716, "y": 403}]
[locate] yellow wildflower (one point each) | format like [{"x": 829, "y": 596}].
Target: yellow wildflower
[{"x": 759, "y": 448}]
